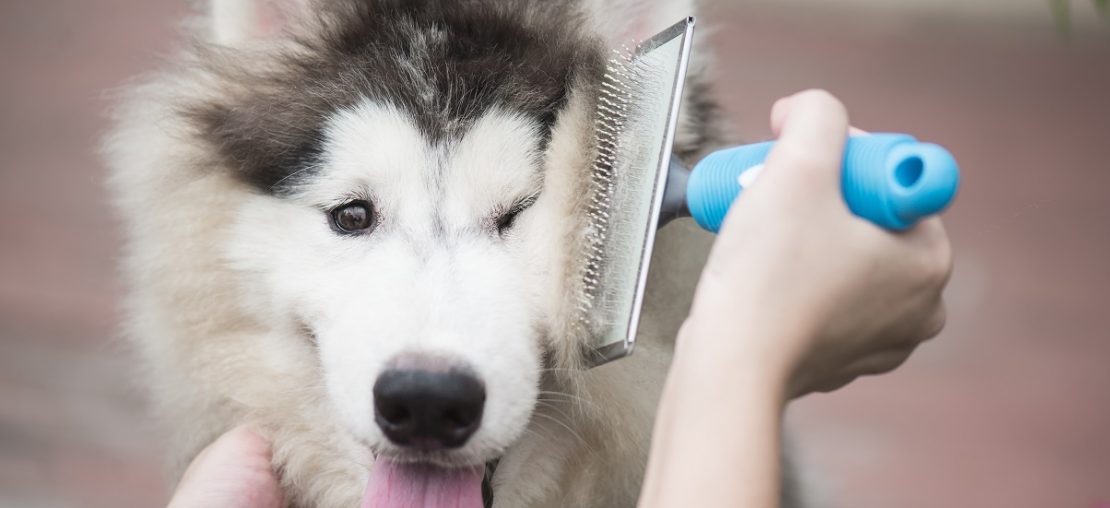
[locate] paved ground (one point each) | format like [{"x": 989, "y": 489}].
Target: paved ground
[{"x": 1009, "y": 408}]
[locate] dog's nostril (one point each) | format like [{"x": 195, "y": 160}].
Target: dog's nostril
[
  {"x": 396, "y": 414},
  {"x": 456, "y": 418},
  {"x": 426, "y": 409}
]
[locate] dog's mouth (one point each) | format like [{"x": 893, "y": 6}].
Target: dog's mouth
[{"x": 395, "y": 484}]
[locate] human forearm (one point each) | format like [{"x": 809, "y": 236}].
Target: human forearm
[{"x": 726, "y": 413}]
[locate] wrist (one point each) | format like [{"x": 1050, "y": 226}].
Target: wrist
[
  {"x": 713, "y": 411},
  {"x": 752, "y": 360}
]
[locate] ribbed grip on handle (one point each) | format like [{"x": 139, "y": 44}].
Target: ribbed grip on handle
[{"x": 891, "y": 180}]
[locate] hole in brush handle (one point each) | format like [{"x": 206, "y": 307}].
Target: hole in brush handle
[
  {"x": 908, "y": 171},
  {"x": 925, "y": 180}
]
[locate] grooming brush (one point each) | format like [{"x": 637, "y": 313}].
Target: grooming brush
[{"x": 637, "y": 187}]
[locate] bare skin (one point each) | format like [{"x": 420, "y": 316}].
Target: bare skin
[
  {"x": 232, "y": 472},
  {"x": 798, "y": 296}
]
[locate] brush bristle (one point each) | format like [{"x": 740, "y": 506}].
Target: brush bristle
[{"x": 613, "y": 107}]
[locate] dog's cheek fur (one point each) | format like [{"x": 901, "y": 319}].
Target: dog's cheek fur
[
  {"x": 191, "y": 328},
  {"x": 556, "y": 230}
]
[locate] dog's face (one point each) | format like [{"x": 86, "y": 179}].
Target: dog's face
[
  {"x": 404, "y": 254},
  {"x": 413, "y": 214}
]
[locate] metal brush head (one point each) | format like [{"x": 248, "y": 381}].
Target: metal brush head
[{"x": 637, "y": 112}]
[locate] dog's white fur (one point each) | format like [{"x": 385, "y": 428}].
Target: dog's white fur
[{"x": 223, "y": 281}]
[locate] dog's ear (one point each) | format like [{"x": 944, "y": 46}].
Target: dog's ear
[
  {"x": 629, "y": 22},
  {"x": 236, "y": 22}
]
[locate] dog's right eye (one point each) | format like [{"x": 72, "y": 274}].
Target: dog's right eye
[
  {"x": 354, "y": 217},
  {"x": 505, "y": 221}
]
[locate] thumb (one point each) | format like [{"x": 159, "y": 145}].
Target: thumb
[{"x": 232, "y": 472}]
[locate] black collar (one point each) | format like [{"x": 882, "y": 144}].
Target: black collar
[{"x": 487, "y": 484}]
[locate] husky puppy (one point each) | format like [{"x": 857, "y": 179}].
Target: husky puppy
[{"x": 356, "y": 224}]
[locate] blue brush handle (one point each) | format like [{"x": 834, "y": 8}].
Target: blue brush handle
[{"x": 891, "y": 180}]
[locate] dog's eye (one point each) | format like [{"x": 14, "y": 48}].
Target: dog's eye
[
  {"x": 505, "y": 220},
  {"x": 353, "y": 217}
]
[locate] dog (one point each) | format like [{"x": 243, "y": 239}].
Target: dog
[{"x": 353, "y": 224}]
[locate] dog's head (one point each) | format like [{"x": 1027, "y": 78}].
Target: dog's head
[{"x": 418, "y": 171}]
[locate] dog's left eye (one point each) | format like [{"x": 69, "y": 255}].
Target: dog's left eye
[
  {"x": 506, "y": 220},
  {"x": 353, "y": 217}
]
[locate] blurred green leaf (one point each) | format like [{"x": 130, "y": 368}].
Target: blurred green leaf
[
  {"x": 1061, "y": 12},
  {"x": 1103, "y": 7}
]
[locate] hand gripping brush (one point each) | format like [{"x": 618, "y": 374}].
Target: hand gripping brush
[{"x": 636, "y": 186}]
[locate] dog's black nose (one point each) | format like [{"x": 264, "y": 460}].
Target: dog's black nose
[{"x": 428, "y": 410}]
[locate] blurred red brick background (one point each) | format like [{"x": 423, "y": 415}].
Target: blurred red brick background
[{"x": 1010, "y": 407}]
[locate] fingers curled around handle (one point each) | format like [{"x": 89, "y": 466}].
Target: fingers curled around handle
[{"x": 812, "y": 128}]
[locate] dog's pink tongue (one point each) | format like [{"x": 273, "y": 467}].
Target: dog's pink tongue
[{"x": 394, "y": 485}]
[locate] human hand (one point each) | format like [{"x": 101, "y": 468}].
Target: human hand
[
  {"x": 798, "y": 295},
  {"x": 232, "y": 472},
  {"x": 801, "y": 290}
]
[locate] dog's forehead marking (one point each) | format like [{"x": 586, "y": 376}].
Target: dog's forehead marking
[
  {"x": 446, "y": 63},
  {"x": 439, "y": 187}
]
